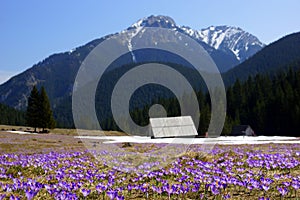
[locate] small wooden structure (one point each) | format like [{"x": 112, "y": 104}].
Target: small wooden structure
[
  {"x": 172, "y": 127},
  {"x": 242, "y": 130}
]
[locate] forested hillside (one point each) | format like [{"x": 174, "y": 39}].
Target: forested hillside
[
  {"x": 10, "y": 116},
  {"x": 269, "y": 106},
  {"x": 278, "y": 56}
]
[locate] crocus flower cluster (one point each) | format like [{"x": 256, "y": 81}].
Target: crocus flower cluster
[{"x": 248, "y": 171}]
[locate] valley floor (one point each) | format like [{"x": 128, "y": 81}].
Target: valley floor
[{"x": 59, "y": 166}]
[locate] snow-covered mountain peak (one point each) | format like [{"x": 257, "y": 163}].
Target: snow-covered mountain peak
[
  {"x": 155, "y": 21},
  {"x": 229, "y": 39},
  {"x": 235, "y": 39}
]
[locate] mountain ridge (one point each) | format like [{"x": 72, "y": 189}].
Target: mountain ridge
[
  {"x": 57, "y": 72},
  {"x": 229, "y": 39}
]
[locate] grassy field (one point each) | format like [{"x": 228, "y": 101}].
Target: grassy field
[
  {"x": 56, "y": 140},
  {"x": 58, "y": 166},
  {"x": 61, "y": 131}
]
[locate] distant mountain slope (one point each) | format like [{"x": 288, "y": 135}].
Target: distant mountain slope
[
  {"x": 234, "y": 39},
  {"x": 57, "y": 72},
  {"x": 275, "y": 57}
]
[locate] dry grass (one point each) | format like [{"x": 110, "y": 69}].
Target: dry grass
[
  {"x": 56, "y": 140},
  {"x": 62, "y": 131},
  {"x": 32, "y": 143}
]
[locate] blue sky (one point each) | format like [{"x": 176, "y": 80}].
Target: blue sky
[{"x": 32, "y": 30}]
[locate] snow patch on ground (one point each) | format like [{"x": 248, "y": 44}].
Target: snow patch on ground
[
  {"x": 20, "y": 132},
  {"x": 220, "y": 140}
]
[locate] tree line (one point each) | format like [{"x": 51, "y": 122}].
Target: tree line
[
  {"x": 271, "y": 106},
  {"x": 11, "y": 116},
  {"x": 37, "y": 115}
]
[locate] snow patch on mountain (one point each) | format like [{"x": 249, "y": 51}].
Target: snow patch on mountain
[
  {"x": 133, "y": 34},
  {"x": 227, "y": 38},
  {"x": 232, "y": 40}
]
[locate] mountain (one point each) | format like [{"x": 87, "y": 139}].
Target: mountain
[
  {"x": 57, "y": 72},
  {"x": 228, "y": 46},
  {"x": 278, "y": 56},
  {"x": 241, "y": 43}
]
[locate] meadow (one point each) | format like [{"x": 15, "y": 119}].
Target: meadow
[{"x": 58, "y": 166}]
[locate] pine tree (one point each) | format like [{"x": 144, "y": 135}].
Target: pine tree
[
  {"x": 39, "y": 113},
  {"x": 32, "y": 114},
  {"x": 46, "y": 116}
]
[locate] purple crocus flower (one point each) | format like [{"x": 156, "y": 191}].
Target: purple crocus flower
[
  {"x": 265, "y": 187},
  {"x": 214, "y": 190},
  {"x": 201, "y": 196},
  {"x": 30, "y": 194},
  {"x": 283, "y": 191},
  {"x": 276, "y": 176},
  {"x": 101, "y": 187},
  {"x": 85, "y": 192},
  {"x": 296, "y": 186},
  {"x": 168, "y": 189},
  {"x": 72, "y": 197},
  {"x": 287, "y": 184},
  {"x": 266, "y": 181},
  {"x": 250, "y": 187},
  {"x": 112, "y": 194},
  {"x": 144, "y": 187},
  {"x": 120, "y": 197},
  {"x": 12, "y": 197},
  {"x": 129, "y": 187},
  {"x": 194, "y": 189},
  {"x": 157, "y": 189},
  {"x": 255, "y": 184}
]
